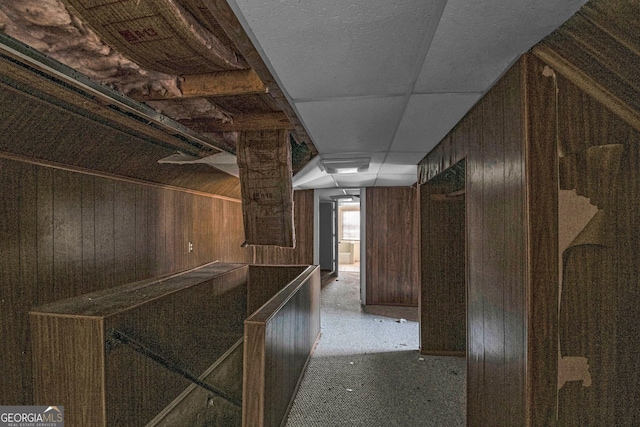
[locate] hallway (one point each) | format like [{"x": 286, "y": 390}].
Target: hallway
[{"x": 367, "y": 371}]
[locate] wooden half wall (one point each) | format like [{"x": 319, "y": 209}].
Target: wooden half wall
[
  {"x": 64, "y": 233},
  {"x": 392, "y": 268}
]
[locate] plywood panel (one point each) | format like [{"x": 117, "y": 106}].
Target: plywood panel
[
  {"x": 391, "y": 246},
  {"x": 599, "y": 298},
  {"x": 542, "y": 175},
  {"x": 62, "y": 126},
  {"x": 191, "y": 319},
  {"x": 65, "y": 233},
  {"x": 443, "y": 282},
  {"x": 279, "y": 338},
  {"x": 491, "y": 139}
]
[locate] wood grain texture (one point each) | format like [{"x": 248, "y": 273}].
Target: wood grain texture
[
  {"x": 192, "y": 318},
  {"x": 491, "y": 139},
  {"x": 443, "y": 307},
  {"x": 62, "y": 127},
  {"x": 599, "y": 297},
  {"x": 66, "y": 352},
  {"x": 266, "y": 281},
  {"x": 222, "y": 12},
  {"x": 598, "y": 50},
  {"x": 195, "y": 407},
  {"x": 279, "y": 338},
  {"x": 66, "y": 233},
  {"x": 391, "y": 246},
  {"x": 542, "y": 176}
]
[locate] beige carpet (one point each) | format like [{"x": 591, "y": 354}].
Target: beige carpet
[{"x": 367, "y": 371}]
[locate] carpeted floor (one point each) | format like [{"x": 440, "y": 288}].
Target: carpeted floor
[{"x": 367, "y": 371}]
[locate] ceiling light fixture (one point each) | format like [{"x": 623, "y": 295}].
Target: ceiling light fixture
[{"x": 355, "y": 165}]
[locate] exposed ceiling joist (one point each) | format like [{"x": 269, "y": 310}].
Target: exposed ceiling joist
[
  {"x": 241, "y": 122},
  {"x": 240, "y": 82},
  {"x": 227, "y": 19}
]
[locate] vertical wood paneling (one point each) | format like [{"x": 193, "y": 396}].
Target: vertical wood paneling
[
  {"x": 105, "y": 233},
  {"x": 542, "y": 175},
  {"x": 391, "y": 246},
  {"x": 469, "y": 136},
  {"x": 443, "y": 285},
  {"x": 67, "y": 234},
  {"x": 515, "y": 272},
  {"x": 277, "y": 348},
  {"x": 64, "y": 233},
  {"x": 492, "y": 281},
  {"x": 12, "y": 291},
  {"x": 142, "y": 244},
  {"x": 599, "y": 296},
  {"x": 491, "y": 139},
  {"x": 124, "y": 223},
  {"x": 88, "y": 198}
]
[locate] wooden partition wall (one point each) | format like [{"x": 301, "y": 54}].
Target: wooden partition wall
[
  {"x": 491, "y": 140},
  {"x": 599, "y": 243},
  {"x": 98, "y": 354},
  {"x": 279, "y": 338},
  {"x": 65, "y": 233},
  {"x": 551, "y": 199},
  {"x": 392, "y": 268}
]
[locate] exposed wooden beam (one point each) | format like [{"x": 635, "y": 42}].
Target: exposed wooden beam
[
  {"x": 225, "y": 16},
  {"x": 600, "y": 17},
  {"x": 588, "y": 85},
  {"x": 240, "y": 82},
  {"x": 241, "y": 122}
]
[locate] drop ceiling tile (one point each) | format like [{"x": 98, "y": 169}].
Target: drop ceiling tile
[
  {"x": 332, "y": 48},
  {"x": 385, "y": 180},
  {"x": 476, "y": 41},
  {"x": 428, "y": 118},
  {"x": 401, "y": 163},
  {"x": 351, "y": 124},
  {"x": 324, "y": 181}
]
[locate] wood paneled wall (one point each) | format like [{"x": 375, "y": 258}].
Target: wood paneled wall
[
  {"x": 492, "y": 140},
  {"x": 600, "y": 296},
  {"x": 64, "y": 233},
  {"x": 517, "y": 314},
  {"x": 302, "y": 254},
  {"x": 190, "y": 319},
  {"x": 279, "y": 338},
  {"x": 443, "y": 305},
  {"x": 68, "y": 129},
  {"x": 392, "y": 267},
  {"x": 265, "y": 281}
]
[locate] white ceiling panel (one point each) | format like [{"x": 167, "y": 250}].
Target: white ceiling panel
[
  {"x": 390, "y": 77},
  {"x": 332, "y": 48},
  {"x": 477, "y": 41},
  {"x": 324, "y": 181},
  {"x": 428, "y": 118},
  {"x": 401, "y": 163},
  {"x": 352, "y": 124},
  {"x": 385, "y": 180}
]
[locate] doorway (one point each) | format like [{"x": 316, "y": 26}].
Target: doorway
[
  {"x": 443, "y": 328},
  {"x": 349, "y": 234}
]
